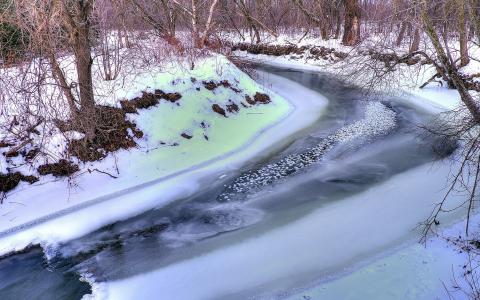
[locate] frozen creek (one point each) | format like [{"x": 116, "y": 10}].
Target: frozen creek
[{"x": 343, "y": 194}]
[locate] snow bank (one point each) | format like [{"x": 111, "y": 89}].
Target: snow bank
[{"x": 156, "y": 174}]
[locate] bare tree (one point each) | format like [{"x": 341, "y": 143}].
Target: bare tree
[
  {"x": 462, "y": 31},
  {"x": 351, "y": 35},
  {"x": 200, "y": 28},
  {"x": 58, "y": 25},
  {"x": 162, "y": 16}
]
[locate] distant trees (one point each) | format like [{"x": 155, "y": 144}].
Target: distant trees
[
  {"x": 51, "y": 29},
  {"x": 161, "y": 15}
]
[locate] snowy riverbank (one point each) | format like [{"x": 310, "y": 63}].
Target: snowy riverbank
[
  {"x": 432, "y": 97},
  {"x": 328, "y": 243},
  {"x": 403, "y": 270},
  {"x": 155, "y": 174},
  {"x": 344, "y": 232}
]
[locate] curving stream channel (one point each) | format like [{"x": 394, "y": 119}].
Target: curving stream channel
[{"x": 263, "y": 231}]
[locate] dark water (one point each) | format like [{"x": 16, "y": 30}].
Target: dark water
[
  {"x": 29, "y": 276},
  {"x": 206, "y": 221}
]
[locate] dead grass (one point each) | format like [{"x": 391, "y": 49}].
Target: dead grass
[
  {"x": 112, "y": 133},
  {"x": 62, "y": 168},
  {"x": 10, "y": 181}
]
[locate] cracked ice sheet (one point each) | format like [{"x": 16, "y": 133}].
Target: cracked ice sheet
[{"x": 321, "y": 244}]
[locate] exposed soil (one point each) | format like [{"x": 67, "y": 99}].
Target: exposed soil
[
  {"x": 186, "y": 136},
  {"x": 321, "y": 52},
  {"x": 172, "y": 97},
  {"x": 10, "y": 180},
  {"x": 30, "y": 155},
  {"x": 325, "y": 53},
  {"x": 62, "y": 168},
  {"x": 209, "y": 85},
  {"x": 258, "y": 98},
  {"x": 275, "y": 50},
  {"x": 232, "y": 107},
  {"x": 250, "y": 100},
  {"x": 212, "y": 85},
  {"x": 219, "y": 110},
  {"x": 11, "y": 154},
  {"x": 261, "y": 98},
  {"x": 392, "y": 58},
  {"x": 148, "y": 100},
  {"x": 6, "y": 144},
  {"x": 111, "y": 134}
]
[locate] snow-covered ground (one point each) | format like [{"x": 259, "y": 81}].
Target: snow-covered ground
[{"x": 157, "y": 172}]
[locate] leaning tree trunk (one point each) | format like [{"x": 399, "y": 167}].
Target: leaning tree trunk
[
  {"x": 449, "y": 67},
  {"x": 351, "y": 34}
]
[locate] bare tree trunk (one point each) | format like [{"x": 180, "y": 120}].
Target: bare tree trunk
[
  {"x": 84, "y": 61},
  {"x": 209, "y": 23},
  {"x": 401, "y": 34},
  {"x": 462, "y": 30},
  {"x": 318, "y": 20},
  {"x": 194, "y": 20},
  {"x": 351, "y": 35},
  {"x": 77, "y": 23},
  {"x": 474, "y": 5},
  {"x": 416, "y": 40},
  {"x": 338, "y": 26}
]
